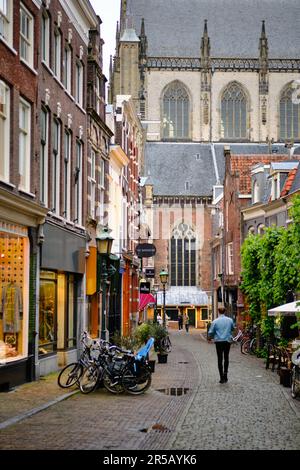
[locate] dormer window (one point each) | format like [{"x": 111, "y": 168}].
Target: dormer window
[
  {"x": 275, "y": 192},
  {"x": 256, "y": 196}
]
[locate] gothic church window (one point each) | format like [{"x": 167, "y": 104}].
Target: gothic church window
[
  {"x": 289, "y": 116},
  {"x": 183, "y": 256},
  {"x": 234, "y": 109},
  {"x": 175, "y": 112}
]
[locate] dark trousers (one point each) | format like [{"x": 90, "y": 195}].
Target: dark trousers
[
  {"x": 223, "y": 348},
  {"x": 180, "y": 325}
]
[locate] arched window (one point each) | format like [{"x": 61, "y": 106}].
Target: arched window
[
  {"x": 234, "y": 109},
  {"x": 289, "y": 116},
  {"x": 175, "y": 112},
  {"x": 183, "y": 256}
]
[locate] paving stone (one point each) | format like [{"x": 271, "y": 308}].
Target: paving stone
[{"x": 249, "y": 412}]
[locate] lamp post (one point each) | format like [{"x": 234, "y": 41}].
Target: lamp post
[
  {"x": 104, "y": 244},
  {"x": 154, "y": 292},
  {"x": 164, "y": 279}
]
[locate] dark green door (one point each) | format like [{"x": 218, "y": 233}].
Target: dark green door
[{"x": 191, "y": 313}]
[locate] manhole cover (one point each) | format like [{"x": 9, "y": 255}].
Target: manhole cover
[{"x": 174, "y": 391}]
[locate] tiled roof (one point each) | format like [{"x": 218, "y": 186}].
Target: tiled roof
[
  {"x": 243, "y": 164},
  {"x": 289, "y": 182},
  {"x": 174, "y": 27}
]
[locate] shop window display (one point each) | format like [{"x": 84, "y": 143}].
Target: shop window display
[
  {"x": 11, "y": 296},
  {"x": 47, "y": 313}
]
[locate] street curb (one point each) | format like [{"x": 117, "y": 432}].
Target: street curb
[
  {"x": 33, "y": 411},
  {"x": 290, "y": 401}
]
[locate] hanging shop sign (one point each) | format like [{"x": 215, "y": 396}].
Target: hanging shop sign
[
  {"x": 145, "y": 250},
  {"x": 145, "y": 288}
]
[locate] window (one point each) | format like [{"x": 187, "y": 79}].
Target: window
[
  {"x": 57, "y": 54},
  {"x": 79, "y": 83},
  {"x": 68, "y": 69},
  {"x": 176, "y": 109},
  {"x": 256, "y": 196},
  {"x": 289, "y": 116},
  {"x": 14, "y": 261},
  {"x": 234, "y": 109},
  {"x": 230, "y": 258},
  {"x": 6, "y": 7},
  {"x": 72, "y": 312},
  {"x": 45, "y": 38},
  {"x": 44, "y": 157},
  {"x": 48, "y": 313},
  {"x": 24, "y": 144},
  {"x": 67, "y": 175},
  {"x": 26, "y": 35},
  {"x": 183, "y": 256},
  {"x": 93, "y": 184},
  {"x": 98, "y": 95},
  {"x": 4, "y": 131},
  {"x": 102, "y": 173},
  {"x": 78, "y": 183},
  {"x": 56, "y": 158}
]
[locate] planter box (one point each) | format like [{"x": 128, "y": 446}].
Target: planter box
[{"x": 162, "y": 358}]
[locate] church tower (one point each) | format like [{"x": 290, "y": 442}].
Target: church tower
[{"x": 263, "y": 83}]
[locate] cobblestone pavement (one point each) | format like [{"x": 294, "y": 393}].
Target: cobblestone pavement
[{"x": 251, "y": 411}]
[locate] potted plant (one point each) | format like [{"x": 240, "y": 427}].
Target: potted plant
[{"x": 160, "y": 334}]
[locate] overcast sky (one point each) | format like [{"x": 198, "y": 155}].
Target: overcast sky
[{"x": 109, "y": 12}]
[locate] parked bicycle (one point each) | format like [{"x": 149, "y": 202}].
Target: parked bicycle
[
  {"x": 119, "y": 370},
  {"x": 71, "y": 373}
]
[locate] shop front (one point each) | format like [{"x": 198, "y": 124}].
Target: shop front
[
  {"x": 18, "y": 264},
  {"x": 61, "y": 297}
]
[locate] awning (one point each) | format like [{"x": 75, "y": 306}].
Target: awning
[
  {"x": 146, "y": 299},
  {"x": 290, "y": 309}
]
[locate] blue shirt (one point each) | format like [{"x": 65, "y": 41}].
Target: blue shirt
[{"x": 221, "y": 329}]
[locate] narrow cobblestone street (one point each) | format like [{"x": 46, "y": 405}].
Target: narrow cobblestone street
[{"x": 251, "y": 411}]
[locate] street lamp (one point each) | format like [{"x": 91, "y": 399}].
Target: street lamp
[
  {"x": 154, "y": 292},
  {"x": 164, "y": 279},
  {"x": 104, "y": 244}
]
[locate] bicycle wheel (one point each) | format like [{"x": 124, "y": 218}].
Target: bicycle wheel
[
  {"x": 295, "y": 390},
  {"x": 245, "y": 347},
  {"x": 89, "y": 379},
  {"x": 136, "y": 383},
  {"x": 70, "y": 375},
  {"x": 112, "y": 383},
  {"x": 252, "y": 346}
]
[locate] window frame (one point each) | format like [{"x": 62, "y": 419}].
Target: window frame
[
  {"x": 79, "y": 83},
  {"x": 29, "y": 41},
  {"x": 57, "y": 50},
  {"x": 78, "y": 181},
  {"x": 56, "y": 164},
  {"x": 285, "y": 100},
  {"x": 67, "y": 174},
  {"x": 7, "y": 23},
  {"x": 93, "y": 183},
  {"x": 44, "y": 151},
  {"x": 25, "y": 185},
  {"x": 186, "y": 113},
  {"x": 5, "y": 141},
  {"x": 67, "y": 68},
  {"x": 45, "y": 38},
  {"x": 225, "y": 135}
]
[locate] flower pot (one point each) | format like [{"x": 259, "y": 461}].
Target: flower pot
[
  {"x": 152, "y": 365},
  {"x": 162, "y": 358}
]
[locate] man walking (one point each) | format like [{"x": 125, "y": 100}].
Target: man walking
[{"x": 220, "y": 330}]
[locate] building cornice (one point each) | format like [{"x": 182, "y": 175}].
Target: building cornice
[
  {"x": 18, "y": 209},
  {"x": 87, "y": 11},
  {"x": 118, "y": 155}
]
